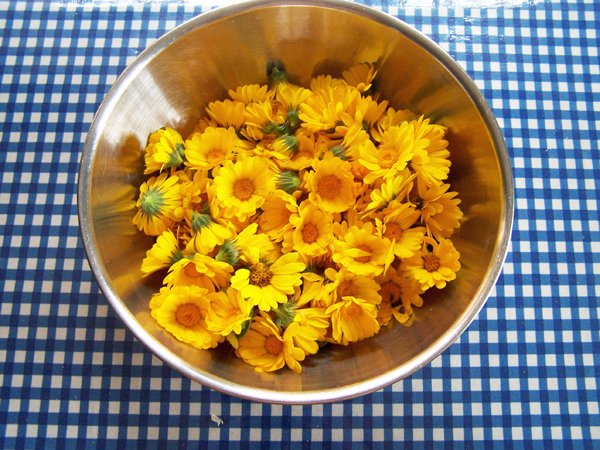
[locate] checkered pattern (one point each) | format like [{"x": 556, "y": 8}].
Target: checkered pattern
[{"x": 525, "y": 373}]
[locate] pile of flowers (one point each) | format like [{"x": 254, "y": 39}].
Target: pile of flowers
[{"x": 295, "y": 217}]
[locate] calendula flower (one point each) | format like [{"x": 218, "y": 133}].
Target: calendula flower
[
  {"x": 331, "y": 185},
  {"x": 227, "y": 113},
  {"x": 361, "y": 251},
  {"x": 265, "y": 348},
  {"x": 182, "y": 313},
  {"x": 251, "y": 93},
  {"x": 431, "y": 156},
  {"x": 276, "y": 213},
  {"x": 393, "y": 302},
  {"x": 352, "y": 320},
  {"x": 286, "y": 144},
  {"x": 228, "y": 312},
  {"x": 261, "y": 120},
  {"x": 391, "y": 156},
  {"x": 406, "y": 241},
  {"x": 307, "y": 332},
  {"x": 326, "y": 108},
  {"x": 391, "y": 118},
  {"x": 163, "y": 253},
  {"x": 164, "y": 150},
  {"x": 366, "y": 112},
  {"x": 307, "y": 151},
  {"x": 192, "y": 189},
  {"x": 159, "y": 198},
  {"x": 243, "y": 186},
  {"x": 312, "y": 293},
  {"x": 439, "y": 208},
  {"x": 435, "y": 265},
  {"x": 199, "y": 270},
  {"x": 326, "y": 82},
  {"x": 360, "y": 76},
  {"x": 288, "y": 181},
  {"x": 347, "y": 284},
  {"x": 248, "y": 246},
  {"x": 211, "y": 148},
  {"x": 311, "y": 233},
  {"x": 391, "y": 192},
  {"x": 268, "y": 284},
  {"x": 290, "y": 98}
]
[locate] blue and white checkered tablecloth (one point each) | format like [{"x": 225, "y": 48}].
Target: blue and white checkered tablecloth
[{"x": 526, "y": 373}]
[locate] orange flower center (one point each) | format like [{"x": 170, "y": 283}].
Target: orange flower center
[
  {"x": 366, "y": 258},
  {"x": 191, "y": 271},
  {"x": 215, "y": 156},
  {"x": 188, "y": 315},
  {"x": 345, "y": 288},
  {"x": 393, "y": 231},
  {"x": 273, "y": 345},
  {"x": 310, "y": 233},
  {"x": 431, "y": 263},
  {"x": 353, "y": 310},
  {"x": 243, "y": 189},
  {"x": 328, "y": 187},
  {"x": 260, "y": 275},
  {"x": 389, "y": 291},
  {"x": 386, "y": 158}
]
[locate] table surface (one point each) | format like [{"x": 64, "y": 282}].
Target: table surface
[{"x": 524, "y": 374}]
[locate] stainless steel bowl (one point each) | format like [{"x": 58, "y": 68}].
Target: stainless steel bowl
[{"x": 174, "y": 79}]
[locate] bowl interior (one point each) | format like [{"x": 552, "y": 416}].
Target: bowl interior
[{"x": 172, "y": 82}]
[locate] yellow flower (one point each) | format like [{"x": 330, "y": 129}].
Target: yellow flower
[
  {"x": 192, "y": 188},
  {"x": 276, "y": 213},
  {"x": 398, "y": 294},
  {"x": 163, "y": 253},
  {"x": 159, "y": 198},
  {"x": 266, "y": 285},
  {"x": 164, "y": 150},
  {"x": 347, "y": 284},
  {"x": 406, "y": 241},
  {"x": 361, "y": 251},
  {"x": 308, "y": 150},
  {"x": 251, "y": 93},
  {"x": 291, "y": 97},
  {"x": 326, "y": 82},
  {"x": 183, "y": 312},
  {"x": 266, "y": 349},
  {"x": 243, "y": 186},
  {"x": 360, "y": 76},
  {"x": 248, "y": 246},
  {"x": 312, "y": 293},
  {"x": 331, "y": 186},
  {"x": 391, "y": 118},
  {"x": 365, "y": 113},
  {"x": 228, "y": 312},
  {"x": 199, "y": 270},
  {"x": 227, "y": 113},
  {"x": 431, "y": 157},
  {"x": 326, "y": 108},
  {"x": 391, "y": 193},
  {"x": 392, "y": 156},
  {"x": 211, "y": 148},
  {"x": 261, "y": 120},
  {"x": 209, "y": 232},
  {"x": 439, "y": 208},
  {"x": 352, "y": 320},
  {"x": 433, "y": 267},
  {"x": 311, "y": 233}
]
